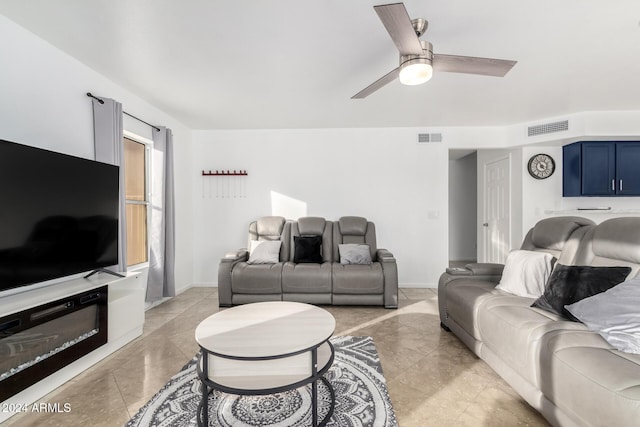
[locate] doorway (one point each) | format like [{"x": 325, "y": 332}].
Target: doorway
[
  {"x": 463, "y": 220},
  {"x": 497, "y": 204}
]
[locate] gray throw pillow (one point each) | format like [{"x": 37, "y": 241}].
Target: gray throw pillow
[
  {"x": 351, "y": 253},
  {"x": 264, "y": 252},
  {"x": 614, "y": 314}
]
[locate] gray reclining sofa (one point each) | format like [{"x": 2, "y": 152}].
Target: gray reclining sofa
[
  {"x": 325, "y": 281},
  {"x": 566, "y": 371}
]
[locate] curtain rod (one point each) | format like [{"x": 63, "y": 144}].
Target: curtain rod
[{"x": 124, "y": 112}]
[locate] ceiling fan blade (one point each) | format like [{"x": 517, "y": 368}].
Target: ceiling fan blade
[
  {"x": 472, "y": 65},
  {"x": 388, "y": 78},
  {"x": 398, "y": 24}
]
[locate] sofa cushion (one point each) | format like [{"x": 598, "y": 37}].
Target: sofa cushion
[
  {"x": 311, "y": 225},
  {"x": 317, "y": 240},
  {"x": 614, "y": 314},
  {"x": 354, "y": 229},
  {"x": 513, "y": 330},
  {"x": 270, "y": 227},
  {"x": 559, "y": 236},
  {"x": 525, "y": 273},
  {"x": 353, "y": 225},
  {"x": 589, "y": 380},
  {"x": 307, "y": 249},
  {"x": 357, "y": 279},
  {"x": 264, "y": 252},
  {"x": 256, "y": 278},
  {"x": 613, "y": 242},
  {"x": 571, "y": 283},
  {"x": 553, "y": 233},
  {"x": 351, "y": 253},
  {"x": 618, "y": 238},
  {"x": 306, "y": 278}
]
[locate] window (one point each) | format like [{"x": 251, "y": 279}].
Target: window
[{"x": 136, "y": 200}]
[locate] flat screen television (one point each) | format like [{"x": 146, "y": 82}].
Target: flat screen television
[{"x": 58, "y": 215}]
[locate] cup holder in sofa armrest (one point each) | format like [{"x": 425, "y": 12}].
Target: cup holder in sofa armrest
[
  {"x": 485, "y": 269},
  {"x": 459, "y": 271},
  {"x": 477, "y": 269}
]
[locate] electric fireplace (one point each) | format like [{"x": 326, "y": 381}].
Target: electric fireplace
[{"x": 36, "y": 342}]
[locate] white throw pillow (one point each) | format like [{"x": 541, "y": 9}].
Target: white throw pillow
[
  {"x": 352, "y": 253},
  {"x": 526, "y": 273},
  {"x": 264, "y": 252},
  {"x": 614, "y": 314}
]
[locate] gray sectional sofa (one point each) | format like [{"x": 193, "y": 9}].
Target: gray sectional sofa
[
  {"x": 566, "y": 371},
  {"x": 325, "y": 281}
]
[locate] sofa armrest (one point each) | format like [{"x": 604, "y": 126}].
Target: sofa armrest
[
  {"x": 224, "y": 274},
  {"x": 459, "y": 271},
  {"x": 390, "y": 272},
  {"x": 480, "y": 272},
  {"x": 383, "y": 255},
  {"x": 485, "y": 269},
  {"x": 235, "y": 256}
]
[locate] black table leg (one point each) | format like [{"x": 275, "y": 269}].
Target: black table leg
[
  {"x": 208, "y": 386},
  {"x": 205, "y": 390},
  {"x": 314, "y": 386}
]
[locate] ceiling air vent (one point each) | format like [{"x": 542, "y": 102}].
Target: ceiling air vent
[
  {"x": 429, "y": 137},
  {"x": 548, "y": 128}
]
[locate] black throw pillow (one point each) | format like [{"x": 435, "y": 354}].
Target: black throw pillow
[
  {"x": 307, "y": 249},
  {"x": 571, "y": 283}
]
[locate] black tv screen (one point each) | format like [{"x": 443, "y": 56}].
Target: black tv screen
[{"x": 58, "y": 215}]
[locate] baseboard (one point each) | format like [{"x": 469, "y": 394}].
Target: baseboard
[
  {"x": 150, "y": 305},
  {"x": 203, "y": 285},
  {"x": 418, "y": 285}
]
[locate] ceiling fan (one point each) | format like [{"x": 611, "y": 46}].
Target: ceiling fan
[{"x": 417, "y": 60}]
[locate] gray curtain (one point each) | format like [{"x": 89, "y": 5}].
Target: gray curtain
[
  {"x": 161, "y": 282},
  {"x": 109, "y": 148}
]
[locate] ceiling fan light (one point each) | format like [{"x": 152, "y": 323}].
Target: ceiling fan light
[{"x": 416, "y": 71}]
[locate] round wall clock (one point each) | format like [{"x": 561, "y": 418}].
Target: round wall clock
[{"x": 541, "y": 166}]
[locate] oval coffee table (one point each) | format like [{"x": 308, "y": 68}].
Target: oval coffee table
[{"x": 265, "y": 348}]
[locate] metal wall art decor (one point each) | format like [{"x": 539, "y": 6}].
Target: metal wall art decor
[{"x": 224, "y": 184}]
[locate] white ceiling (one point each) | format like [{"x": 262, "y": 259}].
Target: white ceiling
[{"x": 229, "y": 64}]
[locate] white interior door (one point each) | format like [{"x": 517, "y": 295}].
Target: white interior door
[{"x": 497, "y": 218}]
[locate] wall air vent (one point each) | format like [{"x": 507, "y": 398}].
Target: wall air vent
[
  {"x": 424, "y": 138},
  {"x": 548, "y": 128}
]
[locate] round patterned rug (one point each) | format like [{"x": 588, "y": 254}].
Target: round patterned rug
[{"x": 356, "y": 376}]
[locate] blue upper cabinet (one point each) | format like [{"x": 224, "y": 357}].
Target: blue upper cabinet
[
  {"x": 601, "y": 168},
  {"x": 628, "y": 168},
  {"x": 572, "y": 170},
  {"x": 598, "y": 168}
]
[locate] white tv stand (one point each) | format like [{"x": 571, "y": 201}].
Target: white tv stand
[{"x": 125, "y": 322}]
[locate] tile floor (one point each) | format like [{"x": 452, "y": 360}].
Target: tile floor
[{"x": 433, "y": 379}]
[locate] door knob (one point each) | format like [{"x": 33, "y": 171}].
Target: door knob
[{"x": 486, "y": 224}]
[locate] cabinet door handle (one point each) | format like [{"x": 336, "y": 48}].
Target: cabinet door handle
[
  {"x": 613, "y": 185},
  {"x": 621, "y": 185}
]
